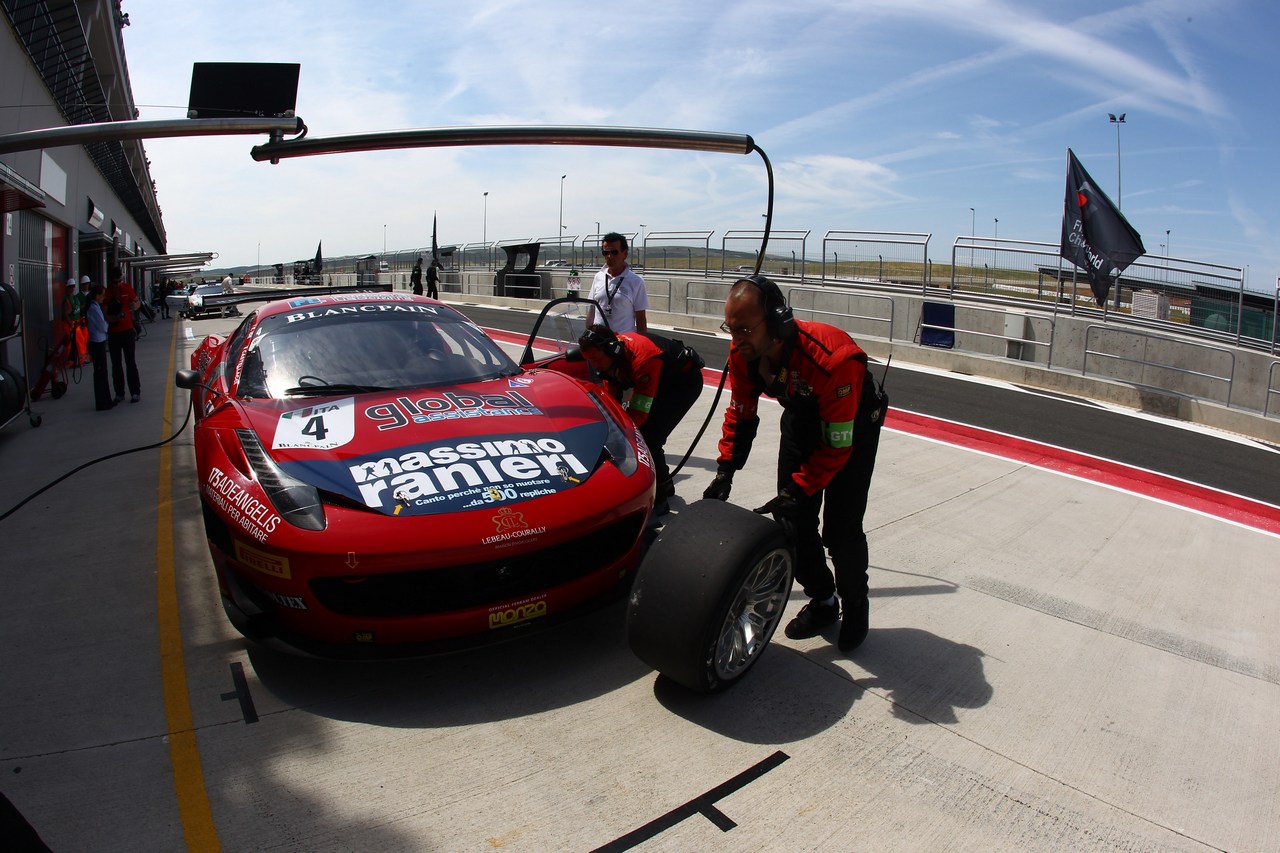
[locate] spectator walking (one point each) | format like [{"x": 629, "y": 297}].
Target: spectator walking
[
  {"x": 97, "y": 323},
  {"x": 433, "y": 280},
  {"x": 415, "y": 278}
]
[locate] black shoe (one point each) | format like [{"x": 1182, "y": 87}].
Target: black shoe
[
  {"x": 812, "y": 618},
  {"x": 853, "y": 626},
  {"x": 135, "y": 398},
  {"x": 119, "y": 398}
]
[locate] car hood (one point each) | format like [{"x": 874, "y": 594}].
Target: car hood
[{"x": 480, "y": 445}]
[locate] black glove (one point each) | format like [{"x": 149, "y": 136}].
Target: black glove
[
  {"x": 720, "y": 486},
  {"x": 785, "y": 509},
  {"x": 785, "y": 505}
]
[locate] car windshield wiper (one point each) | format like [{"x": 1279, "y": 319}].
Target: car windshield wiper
[{"x": 339, "y": 388}]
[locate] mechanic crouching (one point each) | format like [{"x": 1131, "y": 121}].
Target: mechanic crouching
[
  {"x": 664, "y": 377},
  {"x": 832, "y": 412}
]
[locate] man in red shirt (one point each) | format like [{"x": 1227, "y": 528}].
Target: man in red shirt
[
  {"x": 664, "y": 377},
  {"x": 832, "y": 411},
  {"x": 121, "y": 302}
]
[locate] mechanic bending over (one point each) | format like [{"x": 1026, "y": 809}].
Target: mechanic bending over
[
  {"x": 832, "y": 412},
  {"x": 664, "y": 377}
]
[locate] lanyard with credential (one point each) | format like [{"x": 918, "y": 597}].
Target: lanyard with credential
[{"x": 616, "y": 287}]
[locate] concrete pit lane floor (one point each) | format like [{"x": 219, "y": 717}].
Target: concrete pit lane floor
[{"x": 1058, "y": 660}]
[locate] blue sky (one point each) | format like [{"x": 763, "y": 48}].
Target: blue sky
[{"x": 887, "y": 115}]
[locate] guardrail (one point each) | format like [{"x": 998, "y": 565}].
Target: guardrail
[
  {"x": 1165, "y": 342},
  {"x": 1014, "y": 343},
  {"x": 835, "y": 318}
]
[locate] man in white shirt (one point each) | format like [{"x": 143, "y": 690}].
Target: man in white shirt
[{"x": 618, "y": 290}]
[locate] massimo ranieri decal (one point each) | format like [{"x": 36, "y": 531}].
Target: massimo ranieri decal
[{"x": 459, "y": 474}]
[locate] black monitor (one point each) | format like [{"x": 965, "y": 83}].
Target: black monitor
[{"x": 243, "y": 89}]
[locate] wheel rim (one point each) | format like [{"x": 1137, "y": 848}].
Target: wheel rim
[{"x": 755, "y": 612}]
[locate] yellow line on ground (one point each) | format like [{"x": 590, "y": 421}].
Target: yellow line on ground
[{"x": 184, "y": 752}]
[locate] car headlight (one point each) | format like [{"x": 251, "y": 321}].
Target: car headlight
[
  {"x": 195, "y": 300},
  {"x": 297, "y": 502},
  {"x": 616, "y": 443}
]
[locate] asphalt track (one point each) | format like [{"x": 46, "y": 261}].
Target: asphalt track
[{"x": 1068, "y": 652}]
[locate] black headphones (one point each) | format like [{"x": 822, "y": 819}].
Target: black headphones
[
  {"x": 603, "y": 340},
  {"x": 777, "y": 313}
]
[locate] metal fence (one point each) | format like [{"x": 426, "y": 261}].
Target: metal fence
[{"x": 893, "y": 257}]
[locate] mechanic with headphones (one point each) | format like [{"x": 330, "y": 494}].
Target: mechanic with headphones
[
  {"x": 832, "y": 411},
  {"x": 664, "y": 377}
]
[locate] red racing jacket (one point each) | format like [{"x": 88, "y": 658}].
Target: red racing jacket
[
  {"x": 821, "y": 378},
  {"x": 652, "y": 358}
]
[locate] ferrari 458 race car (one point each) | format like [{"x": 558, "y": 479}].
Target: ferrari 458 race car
[{"x": 379, "y": 478}]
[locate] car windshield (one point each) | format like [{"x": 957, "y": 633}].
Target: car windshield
[{"x": 315, "y": 354}]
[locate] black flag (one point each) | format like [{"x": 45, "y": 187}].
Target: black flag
[
  {"x": 1095, "y": 235},
  {"x": 319, "y": 260},
  {"x": 435, "y": 246}
]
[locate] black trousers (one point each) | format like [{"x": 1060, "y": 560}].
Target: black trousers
[
  {"x": 842, "y": 504},
  {"x": 677, "y": 392},
  {"x": 101, "y": 387},
  {"x": 123, "y": 367}
]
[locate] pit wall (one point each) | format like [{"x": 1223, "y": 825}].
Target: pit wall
[{"x": 1203, "y": 382}]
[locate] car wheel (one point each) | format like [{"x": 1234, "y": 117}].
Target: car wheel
[{"x": 709, "y": 595}]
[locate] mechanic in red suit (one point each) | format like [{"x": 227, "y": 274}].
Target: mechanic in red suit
[
  {"x": 832, "y": 412},
  {"x": 664, "y": 377}
]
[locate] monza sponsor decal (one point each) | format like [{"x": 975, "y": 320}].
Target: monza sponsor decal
[
  {"x": 447, "y": 406},
  {"x": 254, "y": 516},
  {"x": 320, "y": 427},
  {"x": 456, "y": 474},
  {"x": 518, "y": 611}
]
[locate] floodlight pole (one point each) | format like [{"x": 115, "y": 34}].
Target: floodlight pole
[
  {"x": 1117, "y": 121},
  {"x": 560, "y": 233}
]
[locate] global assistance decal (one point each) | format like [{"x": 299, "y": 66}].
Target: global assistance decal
[
  {"x": 455, "y": 475},
  {"x": 447, "y": 407}
]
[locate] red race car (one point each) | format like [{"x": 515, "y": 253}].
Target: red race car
[{"x": 378, "y": 476}]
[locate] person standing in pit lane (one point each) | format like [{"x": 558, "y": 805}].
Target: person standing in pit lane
[
  {"x": 617, "y": 290},
  {"x": 122, "y": 301}
]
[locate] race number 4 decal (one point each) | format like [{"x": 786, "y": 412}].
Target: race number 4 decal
[{"x": 321, "y": 427}]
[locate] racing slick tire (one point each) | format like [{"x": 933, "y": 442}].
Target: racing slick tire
[{"x": 709, "y": 595}]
